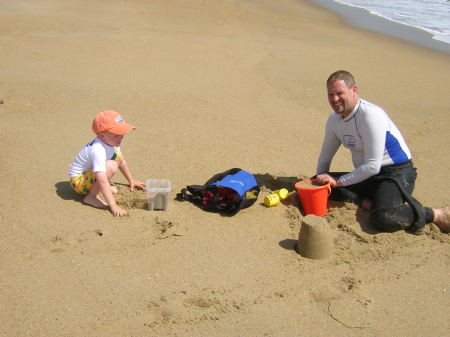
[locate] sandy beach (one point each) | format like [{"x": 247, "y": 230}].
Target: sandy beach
[{"x": 210, "y": 85}]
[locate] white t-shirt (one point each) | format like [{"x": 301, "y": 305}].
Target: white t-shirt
[
  {"x": 370, "y": 135},
  {"x": 94, "y": 156}
]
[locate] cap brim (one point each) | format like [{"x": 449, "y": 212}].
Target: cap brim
[{"x": 122, "y": 128}]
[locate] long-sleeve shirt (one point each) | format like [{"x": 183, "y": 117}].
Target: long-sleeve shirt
[{"x": 370, "y": 135}]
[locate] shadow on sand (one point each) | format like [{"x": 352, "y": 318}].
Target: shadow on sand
[
  {"x": 64, "y": 191},
  {"x": 273, "y": 183},
  {"x": 288, "y": 244}
]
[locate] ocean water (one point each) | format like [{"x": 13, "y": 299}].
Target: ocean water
[{"x": 432, "y": 16}]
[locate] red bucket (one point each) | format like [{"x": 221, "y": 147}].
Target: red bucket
[{"x": 313, "y": 197}]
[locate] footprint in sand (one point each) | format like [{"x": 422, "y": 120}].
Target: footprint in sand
[
  {"x": 351, "y": 311},
  {"x": 60, "y": 243},
  {"x": 167, "y": 228}
]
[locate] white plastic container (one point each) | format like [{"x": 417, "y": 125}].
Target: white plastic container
[{"x": 158, "y": 193}]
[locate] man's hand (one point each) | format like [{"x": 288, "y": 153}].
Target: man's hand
[{"x": 326, "y": 178}]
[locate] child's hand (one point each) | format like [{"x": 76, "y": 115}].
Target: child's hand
[
  {"x": 117, "y": 211},
  {"x": 138, "y": 184}
]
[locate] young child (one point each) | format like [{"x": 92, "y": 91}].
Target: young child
[{"x": 98, "y": 161}]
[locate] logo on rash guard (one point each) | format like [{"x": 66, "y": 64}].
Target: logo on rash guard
[{"x": 349, "y": 141}]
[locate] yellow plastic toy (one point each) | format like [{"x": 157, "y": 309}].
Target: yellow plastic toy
[
  {"x": 272, "y": 199},
  {"x": 283, "y": 193}
]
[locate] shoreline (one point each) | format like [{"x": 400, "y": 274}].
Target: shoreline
[{"x": 363, "y": 19}]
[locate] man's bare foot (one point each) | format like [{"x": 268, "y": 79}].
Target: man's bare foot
[
  {"x": 114, "y": 189},
  {"x": 442, "y": 219},
  {"x": 94, "y": 202}
]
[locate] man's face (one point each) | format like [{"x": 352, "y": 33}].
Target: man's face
[{"x": 341, "y": 98}]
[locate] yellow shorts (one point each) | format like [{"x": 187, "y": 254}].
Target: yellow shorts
[{"x": 83, "y": 183}]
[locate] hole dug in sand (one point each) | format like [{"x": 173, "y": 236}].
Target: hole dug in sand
[
  {"x": 316, "y": 237},
  {"x": 131, "y": 200}
]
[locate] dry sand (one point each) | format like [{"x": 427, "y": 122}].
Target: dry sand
[{"x": 211, "y": 85}]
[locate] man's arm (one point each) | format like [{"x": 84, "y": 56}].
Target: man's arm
[{"x": 329, "y": 148}]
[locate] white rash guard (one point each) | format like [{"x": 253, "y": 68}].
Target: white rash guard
[
  {"x": 372, "y": 138},
  {"x": 93, "y": 156}
]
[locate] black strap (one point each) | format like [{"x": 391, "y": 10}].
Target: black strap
[{"x": 186, "y": 195}]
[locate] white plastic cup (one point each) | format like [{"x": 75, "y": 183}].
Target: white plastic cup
[{"x": 158, "y": 193}]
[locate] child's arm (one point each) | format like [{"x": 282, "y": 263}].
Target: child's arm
[
  {"x": 123, "y": 167},
  {"x": 105, "y": 189}
]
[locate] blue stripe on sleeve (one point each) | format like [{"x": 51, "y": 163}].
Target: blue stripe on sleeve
[{"x": 394, "y": 149}]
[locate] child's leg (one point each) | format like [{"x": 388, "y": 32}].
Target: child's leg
[
  {"x": 111, "y": 170},
  {"x": 92, "y": 198}
]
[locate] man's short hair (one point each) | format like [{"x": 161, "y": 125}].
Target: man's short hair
[{"x": 342, "y": 75}]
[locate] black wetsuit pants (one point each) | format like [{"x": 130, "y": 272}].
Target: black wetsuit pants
[{"x": 393, "y": 207}]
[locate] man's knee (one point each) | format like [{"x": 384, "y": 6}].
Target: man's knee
[{"x": 386, "y": 221}]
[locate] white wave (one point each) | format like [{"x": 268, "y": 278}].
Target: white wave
[{"x": 432, "y": 16}]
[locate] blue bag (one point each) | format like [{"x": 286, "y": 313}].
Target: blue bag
[{"x": 226, "y": 192}]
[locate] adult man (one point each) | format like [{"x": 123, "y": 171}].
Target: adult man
[{"x": 384, "y": 177}]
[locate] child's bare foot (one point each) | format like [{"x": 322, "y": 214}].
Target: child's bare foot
[
  {"x": 94, "y": 202},
  {"x": 114, "y": 189},
  {"x": 442, "y": 219}
]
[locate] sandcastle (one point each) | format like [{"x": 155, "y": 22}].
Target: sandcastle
[{"x": 315, "y": 240}]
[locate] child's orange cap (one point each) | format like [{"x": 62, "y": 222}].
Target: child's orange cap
[{"x": 111, "y": 121}]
